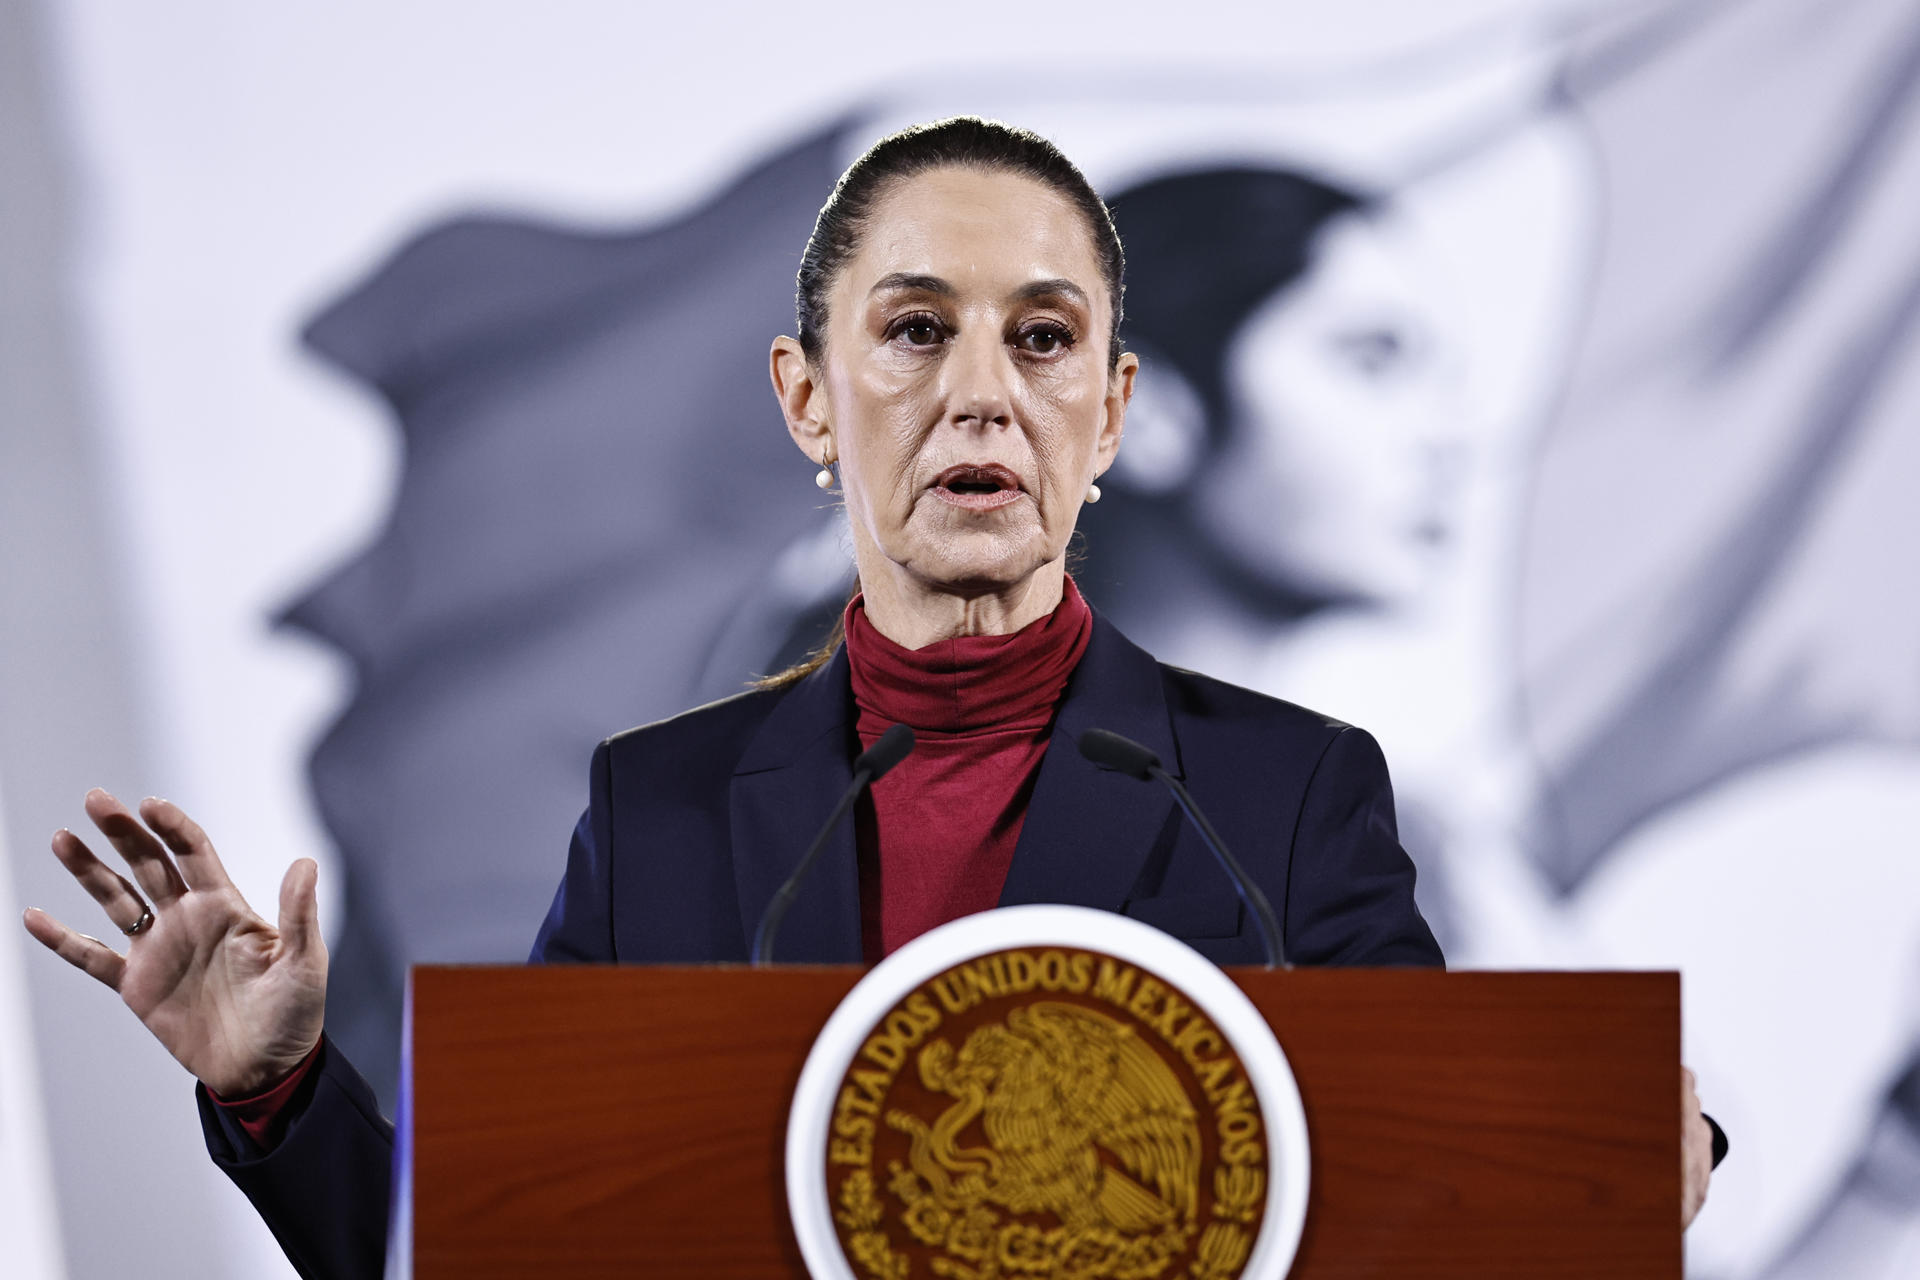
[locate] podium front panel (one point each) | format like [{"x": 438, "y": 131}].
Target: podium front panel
[{"x": 631, "y": 1121}]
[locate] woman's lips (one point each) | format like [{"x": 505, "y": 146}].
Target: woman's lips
[
  {"x": 977, "y": 486},
  {"x": 974, "y": 500}
]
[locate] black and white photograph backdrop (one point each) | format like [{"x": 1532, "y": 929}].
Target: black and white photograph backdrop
[{"x": 384, "y": 421}]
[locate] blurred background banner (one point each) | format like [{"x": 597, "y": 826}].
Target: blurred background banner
[
  {"x": 27, "y": 1225},
  {"x": 1533, "y": 383}
]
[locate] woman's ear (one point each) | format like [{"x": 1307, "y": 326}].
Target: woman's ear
[
  {"x": 1114, "y": 422},
  {"x": 802, "y": 401}
]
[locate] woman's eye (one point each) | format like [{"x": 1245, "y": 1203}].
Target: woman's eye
[
  {"x": 1045, "y": 340},
  {"x": 919, "y": 331}
]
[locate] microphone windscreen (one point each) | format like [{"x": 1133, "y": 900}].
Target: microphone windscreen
[
  {"x": 893, "y": 747},
  {"x": 1111, "y": 751}
]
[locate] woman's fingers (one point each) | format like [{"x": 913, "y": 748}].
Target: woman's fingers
[
  {"x": 1696, "y": 1151},
  {"x": 121, "y": 901},
  {"x": 152, "y": 869},
  {"x": 90, "y": 955},
  {"x": 199, "y": 865},
  {"x": 300, "y": 907}
]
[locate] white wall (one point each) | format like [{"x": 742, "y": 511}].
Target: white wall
[{"x": 28, "y": 1221}]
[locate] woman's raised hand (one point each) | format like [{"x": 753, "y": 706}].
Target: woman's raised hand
[{"x": 236, "y": 1000}]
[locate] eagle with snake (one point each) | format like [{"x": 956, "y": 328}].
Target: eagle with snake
[{"x": 1082, "y": 1120}]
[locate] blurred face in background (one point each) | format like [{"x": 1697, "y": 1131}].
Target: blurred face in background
[{"x": 1339, "y": 471}]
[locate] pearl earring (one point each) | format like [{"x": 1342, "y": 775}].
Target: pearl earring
[
  {"x": 1093, "y": 493},
  {"x": 824, "y": 478}
]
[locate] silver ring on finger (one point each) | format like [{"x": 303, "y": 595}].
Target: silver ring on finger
[{"x": 140, "y": 925}]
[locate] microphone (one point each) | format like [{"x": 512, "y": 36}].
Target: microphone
[
  {"x": 1124, "y": 755},
  {"x": 872, "y": 765}
]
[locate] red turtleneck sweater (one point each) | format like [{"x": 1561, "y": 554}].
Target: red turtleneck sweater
[{"x": 937, "y": 834}]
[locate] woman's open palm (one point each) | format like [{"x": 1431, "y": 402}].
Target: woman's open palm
[{"x": 238, "y": 1001}]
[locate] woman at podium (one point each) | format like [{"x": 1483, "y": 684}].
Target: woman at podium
[{"x": 958, "y": 376}]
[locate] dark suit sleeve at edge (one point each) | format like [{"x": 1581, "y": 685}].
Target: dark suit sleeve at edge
[
  {"x": 579, "y": 924},
  {"x": 323, "y": 1191},
  {"x": 1349, "y": 896}
]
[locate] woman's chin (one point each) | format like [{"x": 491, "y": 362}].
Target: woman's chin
[{"x": 977, "y": 561}]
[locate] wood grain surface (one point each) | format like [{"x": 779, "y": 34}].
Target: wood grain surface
[{"x": 593, "y": 1122}]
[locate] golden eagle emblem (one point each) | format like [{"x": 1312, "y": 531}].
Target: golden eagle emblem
[
  {"x": 1054, "y": 1088},
  {"x": 991, "y": 1133}
]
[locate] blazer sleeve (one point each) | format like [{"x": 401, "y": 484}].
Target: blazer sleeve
[
  {"x": 323, "y": 1191},
  {"x": 1349, "y": 893},
  {"x": 579, "y": 925}
]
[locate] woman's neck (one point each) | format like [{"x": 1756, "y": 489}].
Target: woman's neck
[{"x": 914, "y": 613}]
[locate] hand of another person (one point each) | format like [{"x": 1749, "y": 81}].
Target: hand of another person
[
  {"x": 1696, "y": 1152},
  {"x": 236, "y": 1000}
]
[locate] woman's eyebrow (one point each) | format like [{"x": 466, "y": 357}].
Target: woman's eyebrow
[
  {"x": 1055, "y": 288},
  {"x": 913, "y": 283}
]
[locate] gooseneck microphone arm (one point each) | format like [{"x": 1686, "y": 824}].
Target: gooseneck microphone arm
[
  {"x": 872, "y": 765},
  {"x": 1124, "y": 755}
]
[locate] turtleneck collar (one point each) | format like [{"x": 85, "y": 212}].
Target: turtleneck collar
[{"x": 967, "y": 684}]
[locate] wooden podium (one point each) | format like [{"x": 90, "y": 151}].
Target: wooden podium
[{"x": 631, "y": 1121}]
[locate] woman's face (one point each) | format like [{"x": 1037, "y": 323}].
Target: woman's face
[
  {"x": 965, "y": 381},
  {"x": 1338, "y": 475}
]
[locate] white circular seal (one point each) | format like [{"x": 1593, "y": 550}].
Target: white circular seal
[{"x": 879, "y": 996}]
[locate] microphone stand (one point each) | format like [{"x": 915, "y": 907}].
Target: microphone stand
[
  {"x": 1124, "y": 755},
  {"x": 892, "y": 747}
]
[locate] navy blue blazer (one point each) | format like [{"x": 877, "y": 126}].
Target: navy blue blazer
[{"x": 694, "y": 822}]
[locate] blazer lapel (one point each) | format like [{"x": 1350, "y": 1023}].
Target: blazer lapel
[
  {"x": 787, "y": 781},
  {"x": 1089, "y": 830}
]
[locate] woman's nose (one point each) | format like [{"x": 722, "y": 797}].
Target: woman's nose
[{"x": 978, "y": 379}]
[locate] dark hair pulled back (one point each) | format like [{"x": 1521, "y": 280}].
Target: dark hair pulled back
[{"x": 959, "y": 141}]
